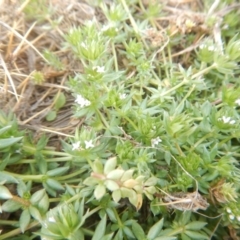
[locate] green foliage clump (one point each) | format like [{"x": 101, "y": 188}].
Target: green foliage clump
[{"x": 157, "y": 157}]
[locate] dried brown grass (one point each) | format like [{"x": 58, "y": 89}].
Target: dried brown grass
[{"x": 22, "y": 40}]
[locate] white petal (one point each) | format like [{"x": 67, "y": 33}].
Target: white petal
[
  {"x": 75, "y": 146},
  {"x": 88, "y": 144}
]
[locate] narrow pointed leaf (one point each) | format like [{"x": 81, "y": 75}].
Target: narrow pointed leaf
[
  {"x": 155, "y": 230},
  {"x": 100, "y": 230}
]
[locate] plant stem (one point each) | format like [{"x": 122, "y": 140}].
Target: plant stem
[
  {"x": 70, "y": 175},
  {"x": 18, "y": 231},
  {"x": 115, "y": 57},
  {"x": 200, "y": 73},
  {"x": 26, "y": 177}
]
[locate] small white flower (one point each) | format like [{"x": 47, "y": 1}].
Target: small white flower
[
  {"x": 106, "y": 27},
  {"x": 211, "y": 48},
  {"x": 122, "y": 96},
  {"x": 109, "y": 26},
  {"x": 231, "y": 217},
  {"x": 75, "y": 146},
  {"x": 51, "y": 219},
  {"x": 82, "y": 101},
  {"x": 227, "y": 120},
  {"x": 100, "y": 69},
  {"x": 238, "y": 101},
  {"x": 88, "y": 144},
  {"x": 83, "y": 44},
  {"x": 229, "y": 210},
  {"x": 155, "y": 141}
]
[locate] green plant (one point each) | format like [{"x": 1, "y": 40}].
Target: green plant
[{"x": 158, "y": 137}]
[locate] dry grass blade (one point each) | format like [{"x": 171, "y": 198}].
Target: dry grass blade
[
  {"x": 3, "y": 64},
  {"x": 23, "y": 39}
]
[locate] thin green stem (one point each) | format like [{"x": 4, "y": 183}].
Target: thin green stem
[
  {"x": 174, "y": 88},
  {"x": 165, "y": 65},
  {"x": 205, "y": 70},
  {"x": 117, "y": 217},
  {"x": 70, "y": 175},
  {"x": 8, "y": 222},
  {"x": 29, "y": 161},
  {"x": 115, "y": 56},
  {"x": 179, "y": 149},
  {"x": 26, "y": 177},
  {"x": 18, "y": 231},
  {"x": 127, "y": 118},
  {"x": 105, "y": 123},
  {"x": 55, "y": 153},
  {"x": 200, "y": 141},
  {"x": 187, "y": 95},
  {"x": 55, "y": 199}
]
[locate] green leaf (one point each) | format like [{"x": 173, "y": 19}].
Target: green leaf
[
  {"x": 41, "y": 162},
  {"x": 196, "y": 235},
  {"x": 37, "y": 196},
  {"x": 100, "y": 230},
  {"x": 99, "y": 191},
  {"x": 90, "y": 181},
  {"x": 24, "y": 220},
  {"x": 196, "y": 225},
  {"x": 59, "y": 101},
  {"x": 97, "y": 166},
  {"x": 116, "y": 195},
  {"x": 54, "y": 184},
  {"x": 110, "y": 165},
  {"x": 4, "y": 129},
  {"x": 76, "y": 235},
  {"x": 56, "y": 172},
  {"x": 138, "y": 231},
  {"x": 127, "y": 175},
  {"x": 11, "y": 206},
  {"x": 185, "y": 237},
  {"x": 119, "y": 235},
  {"x": 125, "y": 192},
  {"x": 115, "y": 174},
  {"x": 151, "y": 181},
  {"x": 22, "y": 188},
  {"x": 35, "y": 213},
  {"x": 5, "y": 193},
  {"x": 128, "y": 232},
  {"x": 155, "y": 229},
  {"x": 42, "y": 143},
  {"x": 111, "y": 185},
  {"x": 7, "y": 142},
  {"x": 43, "y": 204},
  {"x": 51, "y": 115},
  {"x": 186, "y": 217},
  {"x": 7, "y": 178},
  {"x": 4, "y": 163},
  {"x": 111, "y": 214},
  {"x": 50, "y": 191},
  {"x": 108, "y": 237},
  {"x": 167, "y": 157},
  {"x": 206, "y": 108}
]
